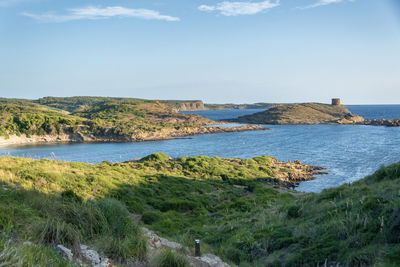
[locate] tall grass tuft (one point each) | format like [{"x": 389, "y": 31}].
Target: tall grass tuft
[
  {"x": 171, "y": 258},
  {"x": 54, "y": 232}
]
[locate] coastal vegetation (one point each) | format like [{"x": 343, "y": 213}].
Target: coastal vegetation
[
  {"x": 237, "y": 208},
  {"x": 32, "y": 119},
  {"x": 99, "y": 119},
  {"x": 90, "y": 116}
]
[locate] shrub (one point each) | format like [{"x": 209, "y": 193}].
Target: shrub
[
  {"x": 150, "y": 217},
  {"x": 133, "y": 247},
  {"x": 118, "y": 217},
  {"x": 69, "y": 195},
  {"x": 178, "y": 205},
  {"x": 156, "y": 157},
  {"x": 54, "y": 232},
  {"x": 293, "y": 212},
  {"x": 170, "y": 258}
]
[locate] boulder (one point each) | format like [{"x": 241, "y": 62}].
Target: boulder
[
  {"x": 207, "y": 260},
  {"x": 89, "y": 255}
]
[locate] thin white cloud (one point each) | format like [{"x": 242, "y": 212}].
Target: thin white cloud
[
  {"x": 100, "y": 13},
  {"x": 324, "y": 3},
  {"x": 227, "y": 8}
]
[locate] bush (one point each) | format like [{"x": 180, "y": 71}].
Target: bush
[
  {"x": 178, "y": 205},
  {"x": 127, "y": 240},
  {"x": 133, "y": 247},
  {"x": 156, "y": 157},
  {"x": 293, "y": 212},
  {"x": 150, "y": 217},
  {"x": 55, "y": 232},
  {"x": 118, "y": 217},
  {"x": 69, "y": 195},
  {"x": 170, "y": 258}
]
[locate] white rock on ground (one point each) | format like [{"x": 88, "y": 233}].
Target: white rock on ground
[
  {"x": 65, "y": 252},
  {"x": 89, "y": 256},
  {"x": 156, "y": 242},
  {"x": 207, "y": 260},
  {"x": 93, "y": 258}
]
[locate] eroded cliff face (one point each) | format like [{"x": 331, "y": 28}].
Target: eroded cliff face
[
  {"x": 199, "y": 105},
  {"x": 183, "y": 105},
  {"x": 191, "y": 106}
]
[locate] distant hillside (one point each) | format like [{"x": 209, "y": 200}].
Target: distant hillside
[
  {"x": 81, "y": 103},
  {"x": 305, "y": 113},
  {"x": 185, "y": 105},
  {"x": 98, "y": 119},
  {"x": 239, "y": 106},
  {"x": 194, "y": 105}
]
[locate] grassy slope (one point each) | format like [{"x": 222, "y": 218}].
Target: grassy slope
[
  {"x": 80, "y": 103},
  {"x": 228, "y": 204}
]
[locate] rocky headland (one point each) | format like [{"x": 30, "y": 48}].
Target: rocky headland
[
  {"x": 305, "y": 113},
  {"x": 311, "y": 113}
]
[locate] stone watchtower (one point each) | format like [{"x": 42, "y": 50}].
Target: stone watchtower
[{"x": 335, "y": 101}]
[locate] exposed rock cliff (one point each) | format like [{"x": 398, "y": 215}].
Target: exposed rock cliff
[{"x": 183, "y": 105}]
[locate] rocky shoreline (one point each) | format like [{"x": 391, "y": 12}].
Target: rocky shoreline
[
  {"x": 163, "y": 134},
  {"x": 383, "y": 122},
  {"x": 299, "y": 172}
]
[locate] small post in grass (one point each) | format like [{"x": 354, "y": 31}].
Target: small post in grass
[{"x": 197, "y": 248}]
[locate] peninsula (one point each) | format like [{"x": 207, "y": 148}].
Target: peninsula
[
  {"x": 311, "y": 113},
  {"x": 99, "y": 119}
]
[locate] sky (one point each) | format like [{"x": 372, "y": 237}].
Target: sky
[{"x": 216, "y": 51}]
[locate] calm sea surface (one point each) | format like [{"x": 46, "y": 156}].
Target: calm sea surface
[{"x": 350, "y": 152}]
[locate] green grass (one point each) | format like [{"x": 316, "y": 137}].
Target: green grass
[
  {"x": 199, "y": 198},
  {"x": 48, "y": 220},
  {"x": 16, "y": 254}
]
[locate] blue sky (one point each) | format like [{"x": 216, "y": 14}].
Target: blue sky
[{"x": 217, "y": 51}]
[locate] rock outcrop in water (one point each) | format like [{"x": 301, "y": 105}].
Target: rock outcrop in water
[
  {"x": 383, "y": 122},
  {"x": 305, "y": 113}
]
